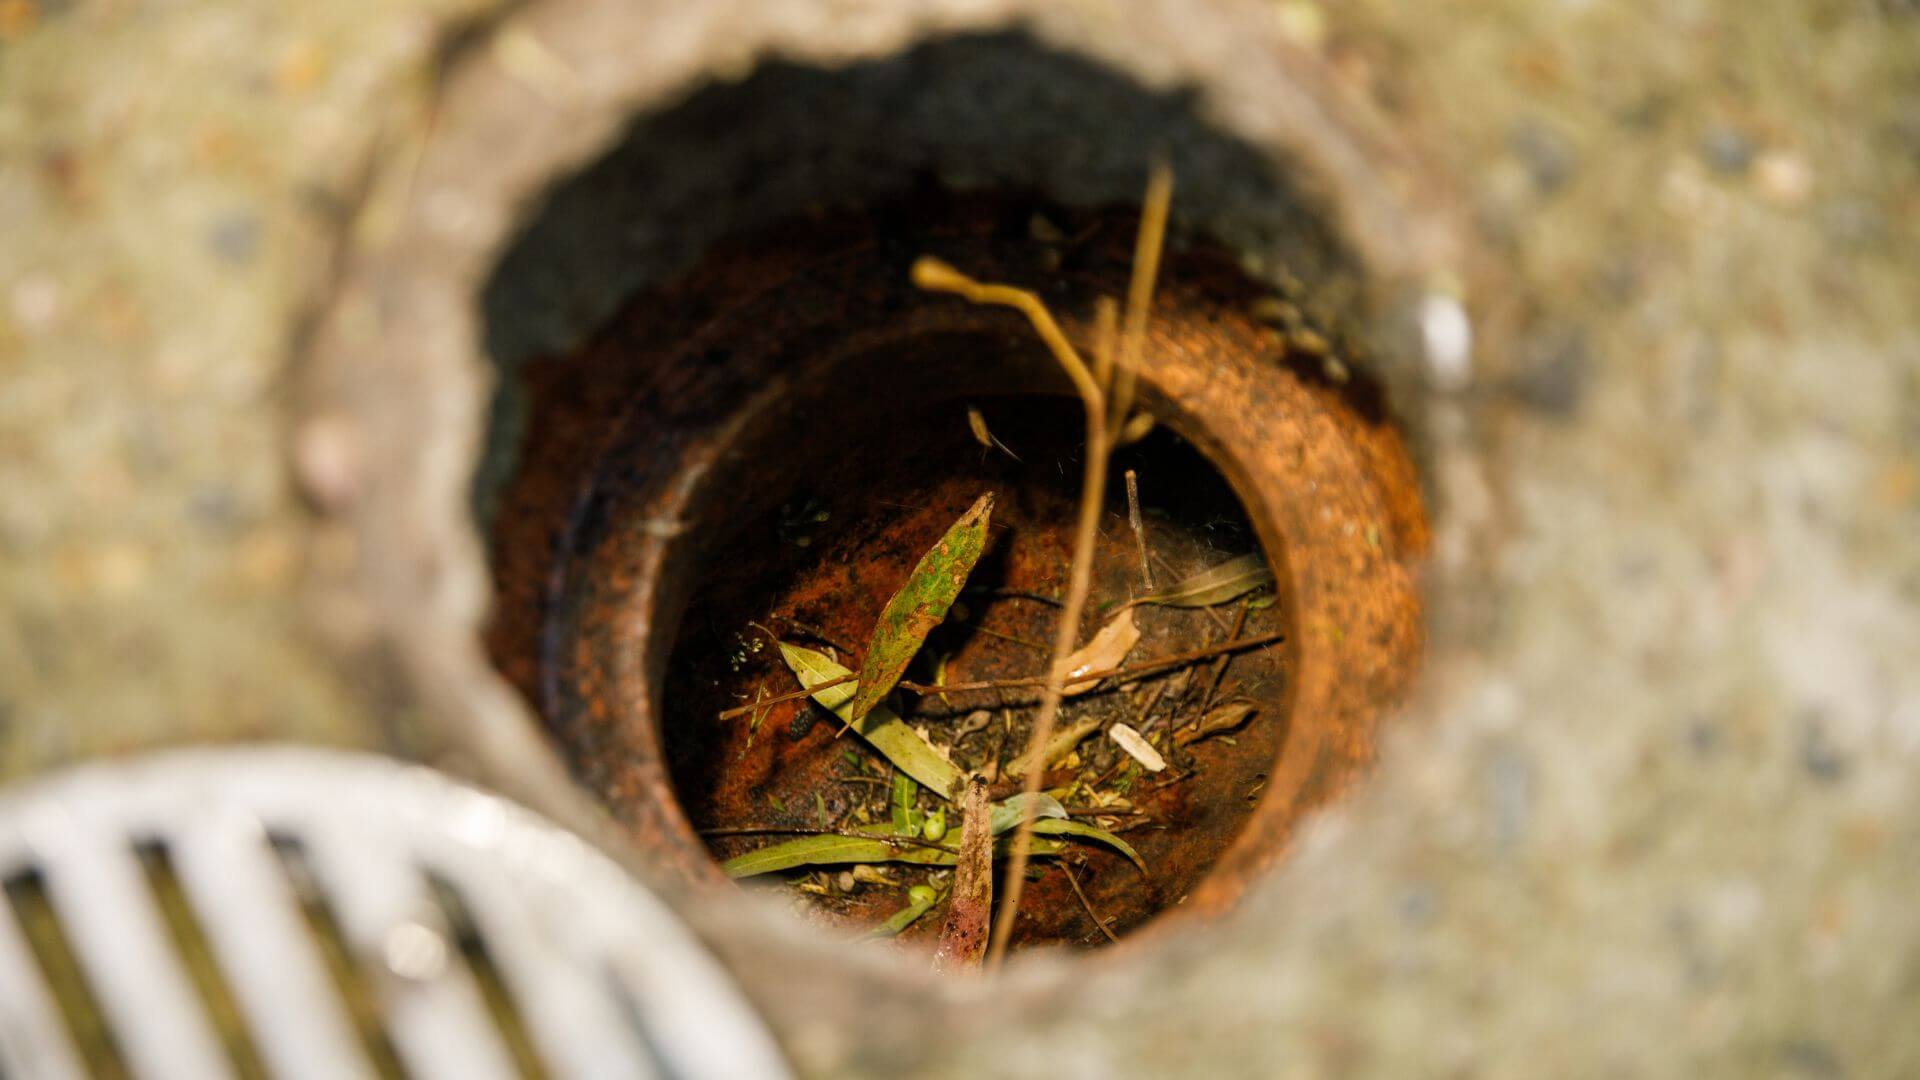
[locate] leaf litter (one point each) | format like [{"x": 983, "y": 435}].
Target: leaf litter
[{"x": 904, "y": 821}]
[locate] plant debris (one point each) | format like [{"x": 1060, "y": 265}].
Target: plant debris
[
  {"x": 881, "y": 726},
  {"x": 1216, "y": 585},
  {"x": 977, "y": 423},
  {"x": 1219, "y": 719},
  {"x": 989, "y": 712},
  {"x": 919, "y": 606},
  {"x": 1108, "y": 649},
  {"x": 963, "y": 937},
  {"x": 1137, "y": 747}
]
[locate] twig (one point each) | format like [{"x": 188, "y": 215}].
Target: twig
[
  {"x": 1088, "y": 904},
  {"x": 1219, "y": 672},
  {"x": 963, "y": 937},
  {"x": 1129, "y": 671},
  {"x": 1014, "y": 594},
  {"x": 932, "y": 274},
  {"x": 1139, "y": 527},
  {"x": 1146, "y": 265},
  {"x": 1008, "y": 637}
]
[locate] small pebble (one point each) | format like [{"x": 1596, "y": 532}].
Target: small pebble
[
  {"x": 845, "y": 881},
  {"x": 327, "y": 459},
  {"x": 1304, "y": 23},
  {"x": 1727, "y": 151},
  {"x": 235, "y": 238},
  {"x": 1549, "y": 158},
  {"x": 1784, "y": 178}
]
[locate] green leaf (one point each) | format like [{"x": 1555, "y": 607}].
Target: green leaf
[
  {"x": 823, "y": 851},
  {"x": 835, "y": 849},
  {"x": 1228, "y": 581},
  {"x": 882, "y": 727},
  {"x": 920, "y": 605},
  {"x": 1007, "y": 812},
  {"x": 901, "y": 804},
  {"x": 1070, "y": 827},
  {"x": 908, "y": 915}
]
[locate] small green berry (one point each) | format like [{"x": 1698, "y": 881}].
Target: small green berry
[{"x": 935, "y": 826}]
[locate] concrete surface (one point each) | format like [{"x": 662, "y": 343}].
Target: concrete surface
[{"x": 1656, "y": 811}]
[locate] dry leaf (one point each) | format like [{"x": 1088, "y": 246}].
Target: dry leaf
[
  {"x": 1108, "y": 649},
  {"x": 1137, "y": 747},
  {"x": 1220, "y": 718},
  {"x": 919, "y": 606},
  {"x": 1216, "y": 585},
  {"x": 1135, "y": 429},
  {"x": 977, "y": 423},
  {"x": 1058, "y": 746}
]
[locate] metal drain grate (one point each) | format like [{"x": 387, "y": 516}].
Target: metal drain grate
[{"x": 304, "y": 913}]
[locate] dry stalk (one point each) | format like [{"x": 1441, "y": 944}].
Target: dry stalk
[{"x": 1108, "y": 398}]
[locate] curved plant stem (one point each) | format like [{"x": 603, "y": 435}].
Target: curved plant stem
[{"x": 1119, "y": 365}]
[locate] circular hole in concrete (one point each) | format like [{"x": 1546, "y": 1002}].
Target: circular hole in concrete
[{"x": 761, "y": 359}]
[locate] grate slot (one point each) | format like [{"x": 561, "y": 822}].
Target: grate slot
[
  {"x": 437, "y": 1016},
  {"x": 576, "y": 1025},
  {"x": 266, "y": 949},
  {"x": 184, "y": 930},
  {"x": 500, "y": 1003},
  {"x": 47, "y": 1021},
  {"x": 343, "y": 970},
  {"x": 102, "y": 901}
]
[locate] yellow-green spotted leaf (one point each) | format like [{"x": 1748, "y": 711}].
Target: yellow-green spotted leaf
[{"x": 920, "y": 605}]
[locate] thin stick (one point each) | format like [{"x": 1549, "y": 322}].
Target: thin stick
[
  {"x": 1106, "y": 329},
  {"x": 1088, "y": 904},
  {"x": 1146, "y": 271},
  {"x": 1009, "y": 637},
  {"x": 1129, "y": 671},
  {"x": 1146, "y": 265},
  {"x": 1015, "y": 594},
  {"x": 1092, "y": 496},
  {"x": 1139, "y": 527},
  {"x": 1239, "y": 621}
]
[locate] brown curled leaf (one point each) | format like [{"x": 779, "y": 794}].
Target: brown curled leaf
[
  {"x": 1108, "y": 649},
  {"x": 1221, "y": 718}
]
